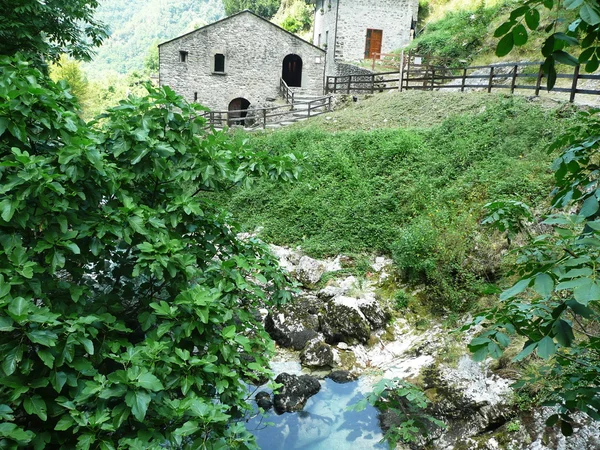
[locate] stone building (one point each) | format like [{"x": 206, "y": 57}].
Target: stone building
[
  {"x": 352, "y": 30},
  {"x": 237, "y": 63}
]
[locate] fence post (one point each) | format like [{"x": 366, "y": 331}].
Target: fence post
[
  {"x": 464, "y": 79},
  {"x": 408, "y": 71},
  {"x": 432, "y": 76},
  {"x": 329, "y": 107},
  {"x": 574, "y": 85},
  {"x": 491, "y": 79},
  {"x": 309, "y": 107},
  {"x": 538, "y": 82},
  {"x": 264, "y": 118},
  {"x": 514, "y": 80},
  {"x": 349, "y": 83},
  {"x": 401, "y": 74},
  {"x": 372, "y": 83}
]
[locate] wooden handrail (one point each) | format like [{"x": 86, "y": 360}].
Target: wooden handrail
[
  {"x": 285, "y": 91},
  {"x": 221, "y": 118}
]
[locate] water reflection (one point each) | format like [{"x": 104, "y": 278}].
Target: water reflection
[{"x": 325, "y": 423}]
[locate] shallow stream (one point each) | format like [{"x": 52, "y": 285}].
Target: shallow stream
[{"x": 324, "y": 424}]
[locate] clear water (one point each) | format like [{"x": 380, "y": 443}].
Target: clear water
[{"x": 325, "y": 423}]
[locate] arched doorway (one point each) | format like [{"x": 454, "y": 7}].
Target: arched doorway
[
  {"x": 292, "y": 70},
  {"x": 239, "y": 107}
]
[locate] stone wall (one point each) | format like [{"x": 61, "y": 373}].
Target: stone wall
[
  {"x": 394, "y": 17},
  {"x": 348, "y": 20},
  {"x": 254, "y": 50},
  {"x": 324, "y": 26}
]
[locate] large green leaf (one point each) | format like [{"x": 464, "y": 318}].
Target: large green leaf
[
  {"x": 36, "y": 405},
  {"x": 544, "y": 284},
  {"x": 519, "y": 287},
  {"x": 589, "y": 13},
  {"x": 587, "y": 292},
  {"x": 18, "y": 308},
  {"x": 546, "y": 347},
  {"x": 563, "y": 333},
  {"x": 150, "y": 382},
  {"x": 505, "y": 45},
  {"x": 138, "y": 401}
]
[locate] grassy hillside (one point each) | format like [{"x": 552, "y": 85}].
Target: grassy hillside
[
  {"x": 136, "y": 25},
  {"x": 414, "y": 192},
  {"x": 462, "y": 30}
]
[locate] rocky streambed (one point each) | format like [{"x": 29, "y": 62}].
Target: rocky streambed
[{"x": 335, "y": 341}]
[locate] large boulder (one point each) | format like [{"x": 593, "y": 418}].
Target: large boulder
[
  {"x": 343, "y": 321},
  {"x": 318, "y": 354},
  {"x": 373, "y": 312},
  {"x": 294, "y": 393},
  {"x": 342, "y": 376},
  {"x": 263, "y": 400},
  {"x": 296, "y": 323},
  {"x": 309, "y": 271}
]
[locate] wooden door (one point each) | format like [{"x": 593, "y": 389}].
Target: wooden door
[{"x": 373, "y": 43}]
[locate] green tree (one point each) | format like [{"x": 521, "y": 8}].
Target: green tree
[
  {"x": 50, "y": 28},
  {"x": 264, "y": 8},
  {"x": 69, "y": 71},
  {"x": 127, "y": 301},
  {"x": 151, "y": 59}
]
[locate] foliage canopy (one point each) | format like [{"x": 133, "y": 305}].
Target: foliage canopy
[
  {"x": 127, "y": 303},
  {"x": 264, "y": 8},
  {"x": 51, "y": 28}
]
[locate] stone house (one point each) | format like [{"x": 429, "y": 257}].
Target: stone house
[
  {"x": 352, "y": 30},
  {"x": 236, "y": 63}
]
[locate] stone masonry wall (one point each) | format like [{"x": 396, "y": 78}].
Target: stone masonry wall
[
  {"x": 254, "y": 50},
  {"x": 348, "y": 20},
  {"x": 392, "y": 16},
  {"x": 324, "y": 25}
]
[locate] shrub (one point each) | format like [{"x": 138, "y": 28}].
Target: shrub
[{"x": 126, "y": 302}]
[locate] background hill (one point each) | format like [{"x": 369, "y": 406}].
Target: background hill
[{"x": 136, "y": 25}]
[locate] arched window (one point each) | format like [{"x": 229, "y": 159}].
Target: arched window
[{"x": 219, "y": 63}]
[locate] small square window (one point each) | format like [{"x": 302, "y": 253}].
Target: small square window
[
  {"x": 219, "y": 63},
  {"x": 183, "y": 56}
]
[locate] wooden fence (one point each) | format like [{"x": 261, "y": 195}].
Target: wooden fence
[
  {"x": 422, "y": 72},
  {"x": 510, "y": 76},
  {"x": 363, "y": 83},
  {"x": 261, "y": 117}
]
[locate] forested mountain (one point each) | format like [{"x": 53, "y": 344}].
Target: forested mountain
[{"x": 135, "y": 25}]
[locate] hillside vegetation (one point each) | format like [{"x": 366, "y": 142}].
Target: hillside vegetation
[
  {"x": 462, "y": 31},
  {"x": 137, "y": 25},
  {"x": 414, "y": 190}
]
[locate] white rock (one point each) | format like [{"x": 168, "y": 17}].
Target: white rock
[{"x": 309, "y": 271}]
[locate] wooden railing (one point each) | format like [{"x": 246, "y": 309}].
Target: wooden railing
[
  {"x": 375, "y": 82},
  {"x": 510, "y": 76},
  {"x": 286, "y": 92},
  {"x": 261, "y": 117}
]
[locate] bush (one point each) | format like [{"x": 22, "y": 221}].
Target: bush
[
  {"x": 416, "y": 194},
  {"x": 126, "y": 302},
  {"x": 458, "y": 36}
]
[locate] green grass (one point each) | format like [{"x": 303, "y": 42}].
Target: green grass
[
  {"x": 415, "y": 192},
  {"x": 462, "y": 31}
]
